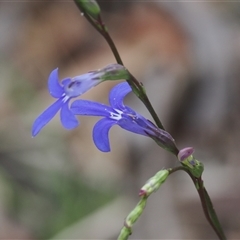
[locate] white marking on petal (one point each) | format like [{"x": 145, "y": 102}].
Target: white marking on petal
[
  {"x": 116, "y": 116},
  {"x": 65, "y": 98},
  {"x": 118, "y": 111}
]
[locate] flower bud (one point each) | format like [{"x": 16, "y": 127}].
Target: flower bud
[
  {"x": 113, "y": 72},
  {"x": 135, "y": 213},
  {"x": 154, "y": 183},
  {"x": 185, "y": 153},
  {"x": 90, "y": 7},
  {"x": 188, "y": 160}
]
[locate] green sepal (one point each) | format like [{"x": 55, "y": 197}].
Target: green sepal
[
  {"x": 193, "y": 165},
  {"x": 113, "y": 72}
]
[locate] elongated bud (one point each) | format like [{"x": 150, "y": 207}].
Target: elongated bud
[
  {"x": 90, "y": 7},
  {"x": 188, "y": 160},
  {"x": 154, "y": 183},
  {"x": 135, "y": 213},
  {"x": 113, "y": 72}
]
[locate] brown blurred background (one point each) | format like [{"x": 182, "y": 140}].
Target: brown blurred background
[{"x": 58, "y": 185}]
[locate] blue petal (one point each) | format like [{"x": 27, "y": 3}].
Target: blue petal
[
  {"x": 100, "y": 134},
  {"x": 137, "y": 125},
  {"x": 68, "y": 119},
  {"x": 130, "y": 111},
  {"x": 131, "y": 126},
  {"x": 84, "y": 107},
  {"x": 54, "y": 87},
  {"x": 46, "y": 116},
  {"x": 117, "y": 95}
]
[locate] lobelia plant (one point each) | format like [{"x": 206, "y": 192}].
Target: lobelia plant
[
  {"x": 72, "y": 88},
  {"x": 125, "y": 117}
]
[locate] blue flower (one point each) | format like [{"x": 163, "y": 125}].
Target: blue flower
[
  {"x": 68, "y": 89},
  {"x": 121, "y": 115}
]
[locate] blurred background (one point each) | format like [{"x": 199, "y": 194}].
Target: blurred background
[{"x": 59, "y": 185}]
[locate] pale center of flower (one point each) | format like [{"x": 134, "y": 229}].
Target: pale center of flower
[
  {"x": 65, "y": 98},
  {"x": 80, "y": 85},
  {"x": 117, "y": 115},
  {"x": 73, "y": 89}
]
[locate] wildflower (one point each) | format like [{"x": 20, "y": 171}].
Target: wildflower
[
  {"x": 69, "y": 88},
  {"x": 121, "y": 115},
  {"x": 72, "y": 88}
]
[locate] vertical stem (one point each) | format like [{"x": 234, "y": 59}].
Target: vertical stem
[
  {"x": 209, "y": 210},
  {"x": 132, "y": 81},
  {"x": 206, "y": 203},
  {"x": 113, "y": 47},
  {"x": 137, "y": 87}
]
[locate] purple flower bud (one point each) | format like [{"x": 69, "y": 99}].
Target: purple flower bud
[
  {"x": 188, "y": 160},
  {"x": 185, "y": 153},
  {"x": 142, "y": 193}
]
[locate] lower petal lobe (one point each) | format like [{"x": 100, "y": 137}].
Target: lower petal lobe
[
  {"x": 68, "y": 119},
  {"x": 100, "y": 134},
  {"x": 46, "y": 116}
]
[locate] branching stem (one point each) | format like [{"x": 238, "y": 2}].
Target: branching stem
[{"x": 139, "y": 90}]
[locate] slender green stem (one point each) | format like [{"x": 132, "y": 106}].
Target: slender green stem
[
  {"x": 139, "y": 90},
  {"x": 101, "y": 28},
  {"x": 206, "y": 203},
  {"x": 110, "y": 42},
  {"x": 141, "y": 94},
  {"x": 207, "y": 206},
  {"x": 137, "y": 87},
  {"x": 209, "y": 210}
]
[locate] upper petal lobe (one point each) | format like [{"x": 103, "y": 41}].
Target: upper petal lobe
[
  {"x": 84, "y": 107},
  {"x": 54, "y": 87},
  {"x": 68, "y": 119},
  {"x": 117, "y": 95}
]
